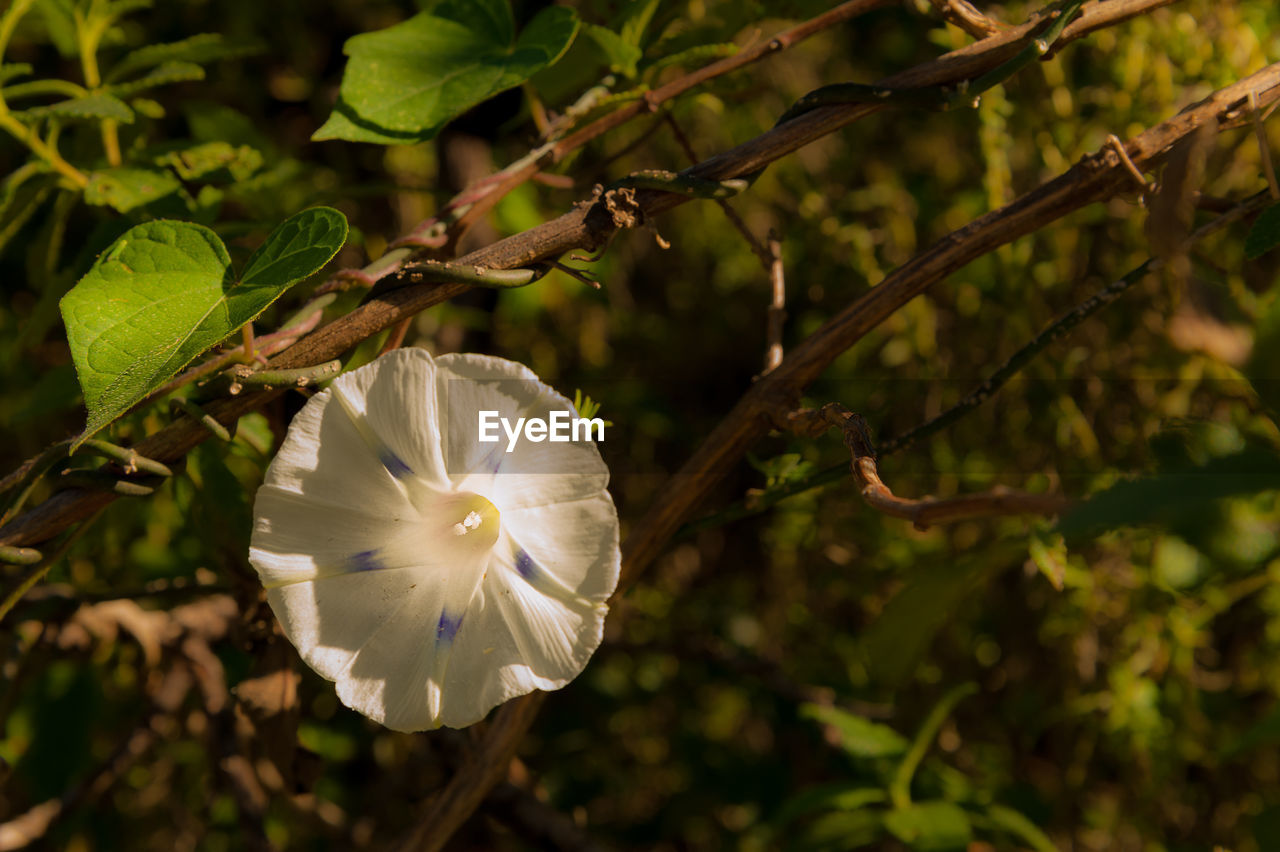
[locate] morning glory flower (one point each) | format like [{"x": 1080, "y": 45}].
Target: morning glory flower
[{"x": 429, "y": 574}]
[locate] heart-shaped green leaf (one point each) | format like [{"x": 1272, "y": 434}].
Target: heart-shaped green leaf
[
  {"x": 404, "y": 83},
  {"x": 165, "y": 292}
]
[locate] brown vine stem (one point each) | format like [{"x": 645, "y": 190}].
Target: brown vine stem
[{"x": 924, "y": 512}]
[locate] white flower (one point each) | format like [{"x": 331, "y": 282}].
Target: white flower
[{"x": 432, "y": 576}]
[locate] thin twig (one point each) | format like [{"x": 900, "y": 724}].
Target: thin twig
[
  {"x": 42, "y": 568},
  {"x": 925, "y": 512},
  {"x": 536, "y": 822},
  {"x": 965, "y": 16},
  {"x": 761, "y": 252},
  {"x": 1264, "y": 150}
]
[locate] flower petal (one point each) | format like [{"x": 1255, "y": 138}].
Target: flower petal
[
  {"x": 392, "y": 401},
  {"x": 325, "y": 458},
  {"x": 296, "y": 538},
  {"x": 574, "y": 544},
  {"x": 385, "y": 637},
  {"x": 533, "y": 473}
]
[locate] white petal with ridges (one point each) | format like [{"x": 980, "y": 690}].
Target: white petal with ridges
[{"x": 534, "y": 472}]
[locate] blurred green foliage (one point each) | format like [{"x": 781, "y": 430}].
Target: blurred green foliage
[{"x": 760, "y": 687}]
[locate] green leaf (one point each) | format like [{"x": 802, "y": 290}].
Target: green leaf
[
  {"x": 900, "y": 637},
  {"x": 213, "y": 159},
  {"x": 621, "y": 56},
  {"x": 299, "y": 247},
  {"x": 19, "y": 204},
  {"x": 930, "y": 826},
  {"x": 1019, "y": 826},
  {"x": 199, "y": 49},
  {"x": 60, "y": 23},
  {"x": 164, "y": 292},
  {"x": 1265, "y": 233},
  {"x": 163, "y": 74},
  {"x": 1176, "y": 494},
  {"x": 841, "y": 796},
  {"x": 900, "y": 786},
  {"x": 402, "y": 84},
  {"x": 90, "y": 107},
  {"x": 1263, "y": 367},
  {"x": 9, "y": 70},
  {"x": 858, "y": 736},
  {"x": 839, "y": 831},
  {"x": 128, "y": 188},
  {"x": 1049, "y": 554},
  {"x": 638, "y": 17}
]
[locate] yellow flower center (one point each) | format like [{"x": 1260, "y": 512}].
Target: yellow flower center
[{"x": 463, "y": 520}]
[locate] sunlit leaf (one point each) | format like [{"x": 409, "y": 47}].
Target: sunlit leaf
[
  {"x": 127, "y": 188},
  {"x": 163, "y": 74},
  {"x": 621, "y": 56},
  {"x": 402, "y": 84},
  {"x": 89, "y": 107},
  {"x": 213, "y": 159},
  {"x": 165, "y": 291}
]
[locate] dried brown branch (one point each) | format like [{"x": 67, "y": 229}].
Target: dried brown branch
[
  {"x": 965, "y": 16},
  {"x": 924, "y": 512},
  {"x": 484, "y": 767},
  {"x": 537, "y": 822}
]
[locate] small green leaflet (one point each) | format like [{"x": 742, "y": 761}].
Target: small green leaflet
[
  {"x": 402, "y": 84},
  {"x": 858, "y": 736},
  {"x": 88, "y": 108},
  {"x": 930, "y": 825},
  {"x": 126, "y": 188},
  {"x": 200, "y": 49},
  {"x": 165, "y": 292}
]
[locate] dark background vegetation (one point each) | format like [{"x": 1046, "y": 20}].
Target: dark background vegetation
[{"x": 1127, "y": 680}]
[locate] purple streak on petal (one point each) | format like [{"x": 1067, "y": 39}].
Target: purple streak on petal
[
  {"x": 365, "y": 560},
  {"x": 492, "y": 460},
  {"x": 448, "y": 626},
  {"x": 394, "y": 464},
  {"x": 526, "y": 566}
]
